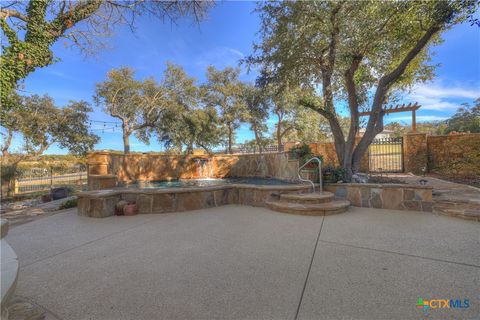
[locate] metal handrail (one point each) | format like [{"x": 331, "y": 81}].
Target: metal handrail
[{"x": 319, "y": 172}]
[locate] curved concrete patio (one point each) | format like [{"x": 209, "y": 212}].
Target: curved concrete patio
[{"x": 240, "y": 262}]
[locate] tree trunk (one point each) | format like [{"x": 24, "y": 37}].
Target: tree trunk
[
  {"x": 257, "y": 138},
  {"x": 126, "y": 136},
  {"x": 230, "y": 138},
  {"x": 126, "y": 143},
  {"x": 189, "y": 149},
  {"x": 279, "y": 130},
  {"x": 7, "y": 144},
  {"x": 347, "y": 161},
  {"x": 349, "y": 75}
]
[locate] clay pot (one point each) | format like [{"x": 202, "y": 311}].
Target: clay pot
[
  {"x": 119, "y": 207},
  {"x": 130, "y": 209}
]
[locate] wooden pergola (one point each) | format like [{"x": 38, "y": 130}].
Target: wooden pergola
[{"x": 399, "y": 108}]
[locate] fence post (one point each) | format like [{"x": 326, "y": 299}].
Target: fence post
[
  {"x": 15, "y": 186},
  {"x": 51, "y": 177}
]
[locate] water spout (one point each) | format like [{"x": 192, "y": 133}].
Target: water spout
[{"x": 204, "y": 168}]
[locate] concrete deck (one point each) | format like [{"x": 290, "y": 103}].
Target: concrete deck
[{"x": 240, "y": 262}]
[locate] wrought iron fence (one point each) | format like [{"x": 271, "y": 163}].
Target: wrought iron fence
[
  {"x": 243, "y": 148},
  {"x": 39, "y": 179},
  {"x": 386, "y": 155}
]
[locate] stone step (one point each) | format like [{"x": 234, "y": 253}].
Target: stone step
[
  {"x": 307, "y": 198},
  {"x": 314, "y": 209},
  {"x": 465, "y": 213}
]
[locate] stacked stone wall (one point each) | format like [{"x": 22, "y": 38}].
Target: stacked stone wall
[
  {"x": 454, "y": 155},
  {"x": 152, "y": 167}
]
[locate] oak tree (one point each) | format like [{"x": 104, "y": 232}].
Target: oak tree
[
  {"x": 29, "y": 29},
  {"x": 188, "y": 121},
  {"x": 224, "y": 91},
  {"x": 137, "y": 104},
  {"x": 257, "y": 111},
  {"x": 356, "y": 54}
]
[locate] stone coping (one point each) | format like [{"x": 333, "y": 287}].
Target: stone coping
[
  {"x": 119, "y": 191},
  {"x": 456, "y": 200},
  {"x": 103, "y": 176},
  {"x": 382, "y": 185},
  {"x": 120, "y": 153},
  {"x": 8, "y": 271}
]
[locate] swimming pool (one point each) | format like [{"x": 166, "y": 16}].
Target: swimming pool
[{"x": 186, "y": 183}]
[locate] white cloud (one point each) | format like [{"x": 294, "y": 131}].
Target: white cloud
[
  {"x": 440, "y": 96},
  {"x": 220, "y": 56},
  {"x": 419, "y": 118},
  {"x": 444, "y": 92}
]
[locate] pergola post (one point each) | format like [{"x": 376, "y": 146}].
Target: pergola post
[{"x": 414, "y": 121}]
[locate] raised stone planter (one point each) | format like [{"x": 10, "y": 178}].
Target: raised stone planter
[
  {"x": 101, "y": 203},
  {"x": 384, "y": 196},
  {"x": 8, "y": 270}
]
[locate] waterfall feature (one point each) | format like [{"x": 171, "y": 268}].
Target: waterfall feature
[
  {"x": 261, "y": 166},
  {"x": 204, "y": 167}
]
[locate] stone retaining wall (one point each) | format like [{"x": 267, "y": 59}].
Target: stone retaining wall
[
  {"x": 101, "y": 203},
  {"x": 384, "y": 196},
  {"x": 454, "y": 155},
  {"x": 449, "y": 155}
]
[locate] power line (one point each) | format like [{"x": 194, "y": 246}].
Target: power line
[{"x": 101, "y": 121}]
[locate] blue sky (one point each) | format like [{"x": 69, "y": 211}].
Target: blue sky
[{"x": 221, "y": 40}]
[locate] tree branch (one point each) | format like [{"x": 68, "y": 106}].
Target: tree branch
[
  {"x": 9, "y": 32},
  {"x": 77, "y": 13},
  {"x": 7, "y": 13},
  {"x": 8, "y": 142},
  {"x": 375, "y": 121},
  {"x": 393, "y": 76}
]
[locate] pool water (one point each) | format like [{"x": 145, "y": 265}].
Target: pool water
[{"x": 205, "y": 183}]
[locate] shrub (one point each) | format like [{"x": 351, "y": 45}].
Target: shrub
[
  {"x": 303, "y": 152},
  {"x": 72, "y": 203},
  {"x": 332, "y": 174}
]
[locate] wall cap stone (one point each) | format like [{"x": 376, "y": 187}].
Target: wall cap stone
[
  {"x": 381, "y": 186},
  {"x": 103, "y": 176},
  {"x": 119, "y": 191}
]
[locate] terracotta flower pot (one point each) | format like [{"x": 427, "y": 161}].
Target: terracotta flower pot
[
  {"x": 119, "y": 207},
  {"x": 130, "y": 209}
]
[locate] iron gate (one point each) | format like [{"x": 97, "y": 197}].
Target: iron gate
[{"x": 386, "y": 155}]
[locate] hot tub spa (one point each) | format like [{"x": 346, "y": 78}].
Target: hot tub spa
[
  {"x": 189, "y": 183},
  {"x": 182, "y": 195}
]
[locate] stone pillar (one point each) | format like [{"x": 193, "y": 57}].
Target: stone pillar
[
  {"x": 99, "y": 171},
  {"x": 415, "y": 153},
  {"x": 99, "y": 163}
]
